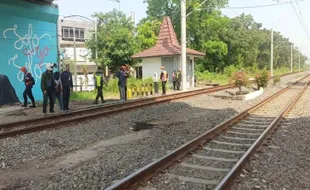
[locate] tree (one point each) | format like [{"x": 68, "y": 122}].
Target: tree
[
  {"x": 115, "y": 39},
  {"x": 146, "y": 34}
]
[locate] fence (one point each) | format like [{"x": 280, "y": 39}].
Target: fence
[{"x": 144, "y": 90}]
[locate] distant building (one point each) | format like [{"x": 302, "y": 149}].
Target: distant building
[
  {"x": 167, "y": 53},
  {"x": 83, "y": 31}
]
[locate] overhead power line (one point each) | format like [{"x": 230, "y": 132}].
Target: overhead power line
[
  {"x": 300, "y": 20},
  {"x": 261, "y": 6}
]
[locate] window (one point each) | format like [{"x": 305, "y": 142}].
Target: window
[{"x": 68, "y": 34}]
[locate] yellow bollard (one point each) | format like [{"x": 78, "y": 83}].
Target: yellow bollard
[{"x": 129, "y": 94}]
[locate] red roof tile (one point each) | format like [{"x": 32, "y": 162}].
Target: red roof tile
[{"x": 167, "y": 44}]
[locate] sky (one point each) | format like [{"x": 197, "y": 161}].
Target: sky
[{"x": 281, "y": 17}]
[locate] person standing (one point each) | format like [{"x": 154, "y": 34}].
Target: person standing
[
  {"x": 155, "y": 80},
  {"x": 174, "y": 75},
  {"x": 122, "y": 82},
  {"x": 48, "y": 88},
  {"x": 127, "y": 74},
  {"x": 99, "y": 85},
  {"x": 179, "y": 79},
  {"x": 163, "y": 78},
  {"x": 29, "y": 82},
  {"x": 67, "y": 84},
  {"x": 58, "y": 90}
]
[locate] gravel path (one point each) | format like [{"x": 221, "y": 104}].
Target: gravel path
[
  {"x": 107, "y": 161},
  {"x": 285, "y": 162}
]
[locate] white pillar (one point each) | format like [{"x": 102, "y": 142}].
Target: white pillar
[
  {"x": 75, "y": 67},
  {"x": 271, "y": 53},
  {"x": 291, "y": 58},
  {"x": 183, "y": 42}
]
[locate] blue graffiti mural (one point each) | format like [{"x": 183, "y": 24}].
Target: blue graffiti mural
[{"x": 28, "y": 37}]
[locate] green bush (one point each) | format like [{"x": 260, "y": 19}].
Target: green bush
[
  {"x": 276, "y": 80},
  {"x": 206, "y": 76},
  {"x": 262, "y": 78}
]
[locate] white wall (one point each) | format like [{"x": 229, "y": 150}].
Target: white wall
[{"x": 150, "y": 65}]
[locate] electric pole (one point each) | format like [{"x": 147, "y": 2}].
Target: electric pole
[
  {"x": 291, "y": 58},
  {"x": 299, "y": 62},
  {"x": 271, "y": 53},
  {"x": 183, "y": 43},
  {"x": 74, "y": 52}
]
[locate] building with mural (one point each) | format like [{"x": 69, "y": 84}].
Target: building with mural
[{"x": 28, "y": 33}]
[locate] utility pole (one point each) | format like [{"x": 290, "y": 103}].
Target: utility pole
[
  {"x": 299, "y": 62},
  {"x": 74, "y": 51},
  {"x": 96, "y": 38},
  {"x": 271, "y": 53},
  {"x": 183, "y": 43},
  {"x": 291, "y": 58}
]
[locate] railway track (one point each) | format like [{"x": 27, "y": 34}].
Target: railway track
[
  {"x": 213, "y": 160},
  {"x": 61, "y": 120}
]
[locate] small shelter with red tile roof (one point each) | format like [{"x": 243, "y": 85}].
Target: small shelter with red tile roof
[{"x": 167, "y": 53}]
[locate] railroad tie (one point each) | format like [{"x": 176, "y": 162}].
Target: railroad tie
[
  {"x": 193, "y": 166},
  {"x": 222, "y": 150},
  {"x": 193, "y": 180},
  {"x": 214, "y": 158}
]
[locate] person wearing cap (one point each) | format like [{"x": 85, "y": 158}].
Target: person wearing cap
[
  {"x": 122, "y": 82},
  {"x": 178, "y": 79},
  {"x": 163, "y": 78},
  {"x": 29, "y": 82},
  {"x": 67, "y": 84},
  {"x": 48, "y": 87}
]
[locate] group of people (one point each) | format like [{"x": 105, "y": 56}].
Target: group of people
[
  {"x": 53, "y": 85},
  {"x": 56, "y": 85},
  {"x": 176, "y": 80}
]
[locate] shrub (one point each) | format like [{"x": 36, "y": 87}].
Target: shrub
[
  {"x": 262, "y": 78},
  {"x": 239, "y": 79},
  {"x": 276, "y": 80}
]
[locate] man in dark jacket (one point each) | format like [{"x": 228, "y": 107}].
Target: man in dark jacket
[
  {"x": 99, "y": 85},
  {"x": 29, "y": 82},
  {"x": 48, "y": 88},
  {"x": 67, "y": 84},
  {"x": 122, "y": 82}
]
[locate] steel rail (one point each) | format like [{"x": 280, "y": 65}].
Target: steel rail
[
  {"x": 60, "y": 120},
  {"x": 146, "y": 173},
  {"x": 54, "y": 121},
  {"x": 270, "y": 129}
]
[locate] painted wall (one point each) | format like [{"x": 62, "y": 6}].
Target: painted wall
[
  {"x": 149, "y": 66},
  {"x": 28, "y": 37}
]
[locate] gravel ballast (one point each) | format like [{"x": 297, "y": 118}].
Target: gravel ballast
[
  {"x": 173, "y": 127},
  {"x": 285, "y": 162}
]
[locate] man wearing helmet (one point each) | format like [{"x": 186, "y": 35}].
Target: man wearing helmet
[
  {"x": 48, "y": 87},
  {"x": 29, "y": 82}
]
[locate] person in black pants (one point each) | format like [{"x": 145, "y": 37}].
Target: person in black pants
[
  {"x": 164, "y": 79},
  {"x": 29, "y": 82},
  {"x": 67, "y": 84},
  {"x": 48, "y": 88},
  {"x": 99, "y": 86}
]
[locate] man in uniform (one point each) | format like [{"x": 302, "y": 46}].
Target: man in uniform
[
  {"x": 29, "y": 82},
  {"x": 99, "y": 85},
  {"x": 67, "y": 84}
]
